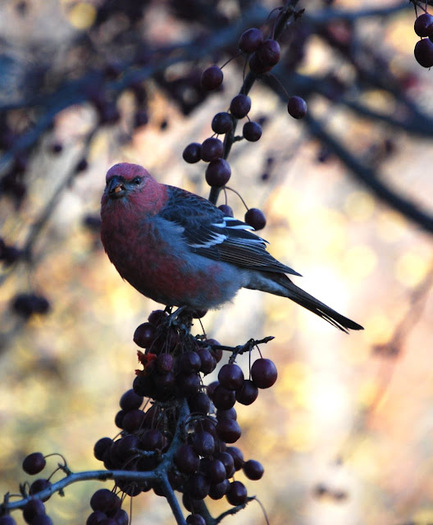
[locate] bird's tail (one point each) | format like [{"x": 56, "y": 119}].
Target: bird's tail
[{"x": 299, "y": 296}]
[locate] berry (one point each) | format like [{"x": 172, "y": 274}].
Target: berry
[
  {"x": 211, "y": 149},
  {"x": 144, "y": 335},
  {"x": 105, "y": 501},
  {"x": 268, "y": 53},
  {"x": 101, "y": 447},
  {"x": 248, "y": 393},
  {"x": 186, "y": 459},
  {"x": 222, "y": 123},
  {"x": 227, "y": 210},
  {"x": 218, "y": 490},
  {"x": 263, "y": 373},
  {"x": 38, "y": 486},
  {"x": 255, "y": 218},
  {"x": 250, "y": 40},
  {"x": 231, "y": 376},
  {"x": 237, "y": 456},
  {"x": 164, "y": 363},
  {"x": 211, "y": 78},
  {"x": 33, "y": 508},
  {"x": 195, "y": 519},
  {"x": 192, "y": 153},
  {"x": 7, "y": 520},
  {"x": 228, "y": 430},
  {"x": 216, "y": 471},
  {"x": 208, "y": 362},
  {"x": 203, "y": 443},
  {"x": 253, "y": 469},
  {"x": 198, "y": 486},
  {"x": 199, "y": 403},
  {"x": 130, "y": 400},
  {"x": 252, "y": 131},
  {"x": 223, "y": 398},
  {"x": 237, "y": 493},
  {"x": 133, "y": 420},
  {"x": 423, "y": 25},
  {"x": 218, "y": 173},
  {"x": 297, "y": 107},
  {"x": 424, "y": 52},
  {"x": 34, "y": 463},
  {"x": 228, "y": 462},
  {"x": 240, "y": 106}
]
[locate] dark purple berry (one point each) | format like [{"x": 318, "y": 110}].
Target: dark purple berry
[
  {"x": 228, "y": 462},
  {"x": 164, "y": 363},
  {"x": 297, "y": 107},
  {"x": 237, "y": 455},
  {"x": 144, "y": 335},
  {"x": 133, "y": 420},
  {"x": 34, "y": 463},
  {"x": 198, "y": 486},
  {"x": 268, "y": 53},
  {"x": 33, "y": 508},
  {"x": 228, "y": 430},
  {"x": 223, "y": 398},
  {"x": 231, "y": 376},
  {"x": 189, "y": 362},
  {"x": 252, "y": 131},
  {"x": 218, "y": 173},
  {"x": 218, "y": 490},
  {"x": 253, "y": 469},
  {"x": 211, "y": 149},
  {"x": 240, "y": 106},
  {"x": 237, "y": 493},
  {"x": 255, "y": 218},
  {"x": 199, "y": 403},
  {"x": 195, "y": 519},
  {"x": 211, "y": 78},
  {"x": 130, "y": 400},
  {"x": 105, "y": 501},
  {"x": 222, "y": 123},
  {"x": 423, "y": 25},
  {"x": 101, "y": 447},
  {"x": 38, "y": 486},
  {"x": 96, "y": 517},
  {"x": 7, "y": 520},
  {"x": 263, "y": 373},
  {"x": 226, "y": 209},
  {"x": 203, "y": 443},
  {"x": 157, "y": 317},
  {"x": 186, "y": 459},
  {"x": 248, "y": 393},
  {"x": 208, "y": 362},
  {"x": 424, "y": 52},
  {"x": 192, "y": 153},
  {"x": 250, "y": 40},
  {"x": 188, "y": 384}
]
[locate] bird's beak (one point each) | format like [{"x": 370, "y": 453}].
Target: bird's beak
[{"x": 116, "y": 188}]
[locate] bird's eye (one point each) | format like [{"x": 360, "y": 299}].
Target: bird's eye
[{"x": 137, "y": 180}]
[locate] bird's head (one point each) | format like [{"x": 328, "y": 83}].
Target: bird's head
[
  {"x": 131, "y": 187},
  {"x": 125, "y": 180}
]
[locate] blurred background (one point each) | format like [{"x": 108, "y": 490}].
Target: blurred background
[{"x": 345, "y": 435}]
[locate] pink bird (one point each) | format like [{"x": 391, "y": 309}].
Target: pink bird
[{"x": 180, "y": 250}]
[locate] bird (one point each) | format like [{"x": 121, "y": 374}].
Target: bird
[{"x": 181, "y": 250}]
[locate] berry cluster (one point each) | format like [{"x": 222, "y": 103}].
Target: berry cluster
[
  {"x": 423, "y": 51},
  {"x": 261, "y": 55},
  {"x": 184, "y": 428}
]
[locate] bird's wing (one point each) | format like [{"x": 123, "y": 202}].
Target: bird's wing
[{"x": 210, "y": 233}]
